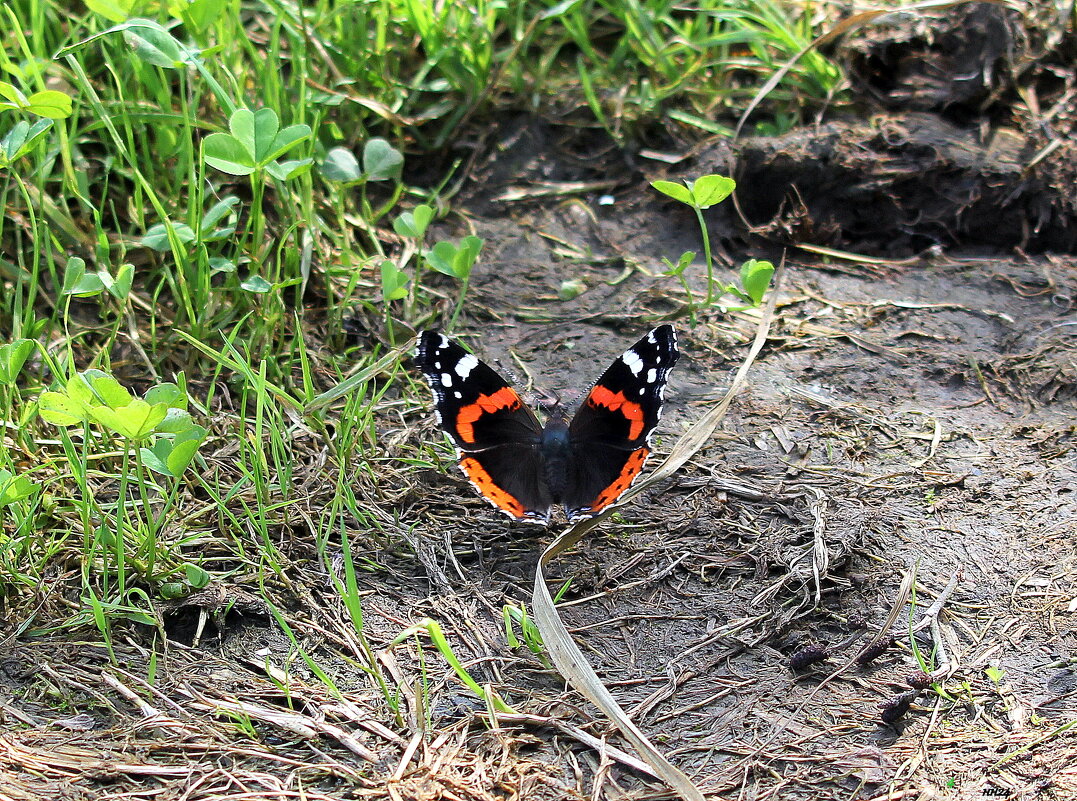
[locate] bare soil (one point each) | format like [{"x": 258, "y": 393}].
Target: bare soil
[{"x": 915, "y": 410}]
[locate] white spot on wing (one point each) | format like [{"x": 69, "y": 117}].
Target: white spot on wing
[
  {"x": 652, "y": 376},
  {"x": 466, "y": 365},
  {"x": 446, "y": 380},
  {"x": 633, "y": 361},
  {"x": 457, "y": 395}
]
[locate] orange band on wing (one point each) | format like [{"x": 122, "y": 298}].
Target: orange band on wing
[
  {"x": 623, "y": 481},
  {"x": 617, "y": 402},
  {"x": 493, "y": 493},
  {"x": 504, "y": 398}
]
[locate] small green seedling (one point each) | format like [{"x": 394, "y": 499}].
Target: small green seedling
[
  {"x": 255, "y": 143},
  {"x": 82, "y": 284},
  {"x": 413, "y": 224},
  {"x": 755, "y": 276},
  {"x": 456, "y": 261},
  {"x": 156, "y": 429},
  {"x": 394, "y": 283},
  {"x": 571, "y": 288},
  {"x": 513, "y": 616},
  {"x": 700, "y": 194},
  {"x": 381, "y": 162},
  {"x": 677, "y": 271}
]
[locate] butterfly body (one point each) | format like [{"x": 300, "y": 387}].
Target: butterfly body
[{"x": 524, "y": 467}]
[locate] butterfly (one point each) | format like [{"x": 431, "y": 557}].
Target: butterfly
[{"x": 524, "y": 467}]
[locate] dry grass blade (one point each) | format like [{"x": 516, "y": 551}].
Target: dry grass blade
[{"x": 565, "y": 654}]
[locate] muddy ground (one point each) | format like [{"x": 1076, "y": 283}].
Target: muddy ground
[{"x": 915, "y": 409}]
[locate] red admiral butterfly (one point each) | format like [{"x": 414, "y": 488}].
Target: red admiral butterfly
[{"x": 523, "y": 467}]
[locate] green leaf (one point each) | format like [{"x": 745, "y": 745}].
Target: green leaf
[
  {"x": 196, "y": 576},
  {"x": 184, "y": 449},
  {"x": 287, "y": 170},
  {"x": 257, "y": 285},
  {"x": 12, "y": 357},
  {"x": 60, "y": 409},
  {"x": 225, "y": 153},
  {"x": 13, "y": 140},
  {"x": 77, "y": 282},
  {"x": 110, "y": 391},
  {"x": 219, "y": 264},
  {"x": 571, "y": 288},
  {"x": 381, "y": 161},
  {"x": 171, "y": 590},
  {"x": 442, "y": 257},
  {"x": 155, "y": 45},
  {"x": 422, "y": 215},
  {"x": 78, "y": 388},
  {"x": 676, "y": 191},
  {"x": 198, "y": 14},
  {"x": 51, "y": 104},
  {"x": 167, "y": 393},
  {"x": 467, "y": 255},
  {"x": 156, "y": 458},
  {"x": 21, "y": 139},
  {"x": 176, "y": 421},
  {"x": 341, "y": 165},
  {"x": 414, "y": 223},
  {"x": 13, "y": 96},
  {"x": 755, "y": 277},
  {"x": 156, "y": 237},
  {"x": 121, "y": 284},
  {"x": 87, "y": 286},
  {"x": 709, "y": 190},
  {"x": 135, "y": 421},
  {"x": 258, "y": 133},
  {"x": 393, "y": 282},
  {"x": 254, "y": 130},
  {"x": 283, "y": 141},
  {"x": 682, "y": 263},
  {"x": 217, "y": 212},
  {"x": 112, "y": 10},
  {"x": 15, "y": 488}
]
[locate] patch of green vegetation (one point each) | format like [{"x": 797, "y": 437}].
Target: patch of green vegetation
[{"x": 196, "y": 197}]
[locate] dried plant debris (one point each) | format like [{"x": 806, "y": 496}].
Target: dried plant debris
[
  {"x": 896, "y": 708},
  {"x": 874, "y": 651},
  {"x": 808, "y": 656}
]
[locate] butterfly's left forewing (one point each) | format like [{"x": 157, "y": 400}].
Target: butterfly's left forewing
[{"x": 495, "y": 433}]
